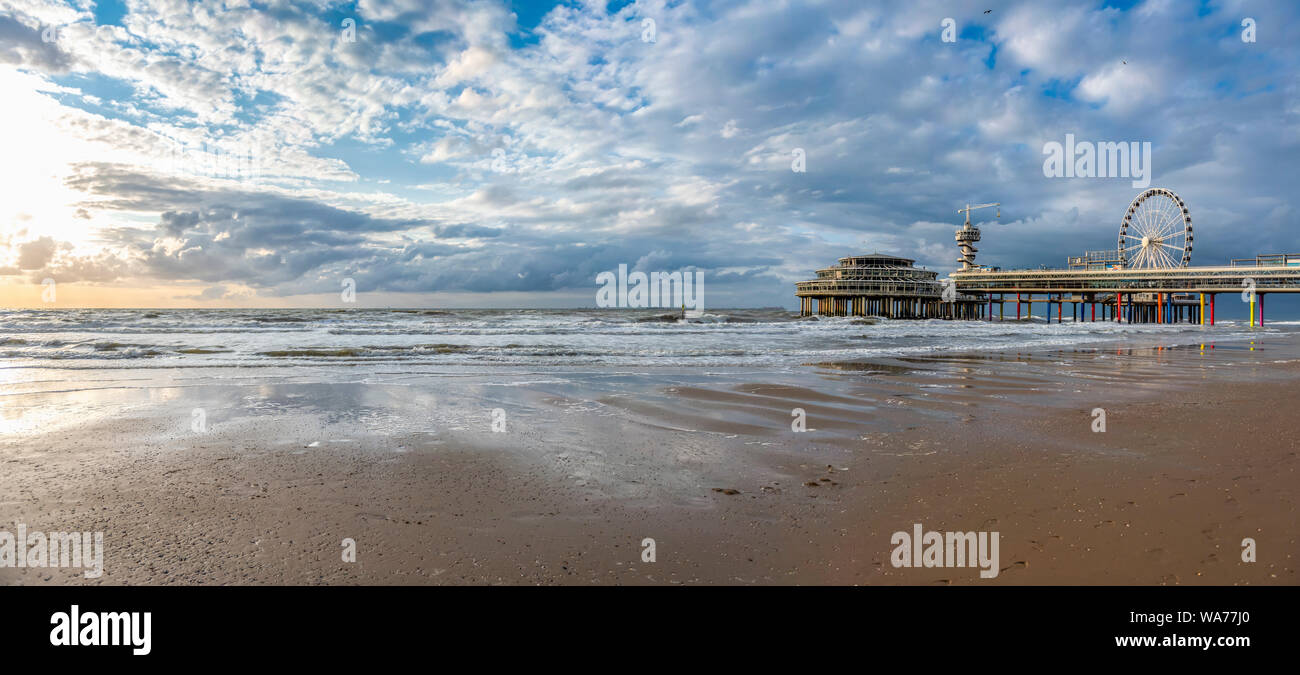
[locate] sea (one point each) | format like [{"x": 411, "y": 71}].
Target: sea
[
  {"x": 388, "y": 371},
  {"x": 777, "y": 338}
]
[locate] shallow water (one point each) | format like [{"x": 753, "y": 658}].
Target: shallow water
[
  {"x": 769, "y": 338},
  {"x": 394, "y": 371}
]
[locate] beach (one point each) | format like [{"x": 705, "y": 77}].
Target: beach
[{"x": 475, "y": 464}]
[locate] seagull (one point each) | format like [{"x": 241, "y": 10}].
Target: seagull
[
  {"x": 987, "y": 11},
  {"x": 1124, "y": 62}
]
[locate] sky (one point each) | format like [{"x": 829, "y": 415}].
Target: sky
[{"x": 162, "y": 153}]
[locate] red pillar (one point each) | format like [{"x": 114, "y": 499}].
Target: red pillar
[
  {"x": 1094, "y": 311},
  {"x": 1211, "y": 309}
]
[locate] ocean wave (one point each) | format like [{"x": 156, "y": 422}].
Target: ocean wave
[{"x": 631, "y": 338}]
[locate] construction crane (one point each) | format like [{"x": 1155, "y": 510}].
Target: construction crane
[{"x": 968, "y": 234}]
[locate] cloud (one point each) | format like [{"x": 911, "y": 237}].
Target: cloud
[
  {"x": 23, "y": 45},
  {"x": 208, "y": 294},
  {"x": 449, "y": 148},
  {"x": 34, "y": 255}
]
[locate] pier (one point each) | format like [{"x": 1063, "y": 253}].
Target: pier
[
  {"x": 882, "y": 285},
  {"x": 1146, "y": 278},
  {"x": 1171, "y": 295}
]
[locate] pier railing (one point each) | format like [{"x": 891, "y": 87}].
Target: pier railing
[{"x": 852, "y": 287}]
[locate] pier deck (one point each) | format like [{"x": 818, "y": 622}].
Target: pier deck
[
  {"x": 1141, "y": 295},
  {"x": 1227, "y": 279}
]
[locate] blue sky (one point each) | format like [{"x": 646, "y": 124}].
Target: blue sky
[{"x": 504, "y": 153}]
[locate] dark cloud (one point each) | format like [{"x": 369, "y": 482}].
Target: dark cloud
[{"x": 24, "y": 46}]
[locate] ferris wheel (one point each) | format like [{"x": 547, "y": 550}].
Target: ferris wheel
[{"x": 1156, "y": 231}]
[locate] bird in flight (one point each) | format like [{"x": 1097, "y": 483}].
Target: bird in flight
[{"x": 987, "y": 11}]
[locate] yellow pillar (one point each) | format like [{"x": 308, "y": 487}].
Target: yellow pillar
[
  {"x": 1252, "y": 310},
  {"x": 1202, "y": 309}
]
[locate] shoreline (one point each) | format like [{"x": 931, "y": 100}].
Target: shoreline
[{"x": 954, "y": 442}]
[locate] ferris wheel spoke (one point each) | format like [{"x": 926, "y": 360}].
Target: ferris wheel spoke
[
  {"x": 1155, "y": 215},
  {"x": 1157, "y": 224},
  {"x": 1172, "y": 209},
  {"x": 1144, "y": 217},
  {"x": 1176, "y": 223},
  {"x": 1167, "y": 224},
  {"x": 1171, "y": 225},
  {"x": 1157, "y": 256},
  {"x": 1138, "y": 222}
]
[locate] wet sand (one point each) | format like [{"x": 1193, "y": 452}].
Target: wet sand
[{"x": 1199, "y": 452}]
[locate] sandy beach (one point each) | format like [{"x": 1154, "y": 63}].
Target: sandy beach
[{"x": 1196, "y": 456}]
